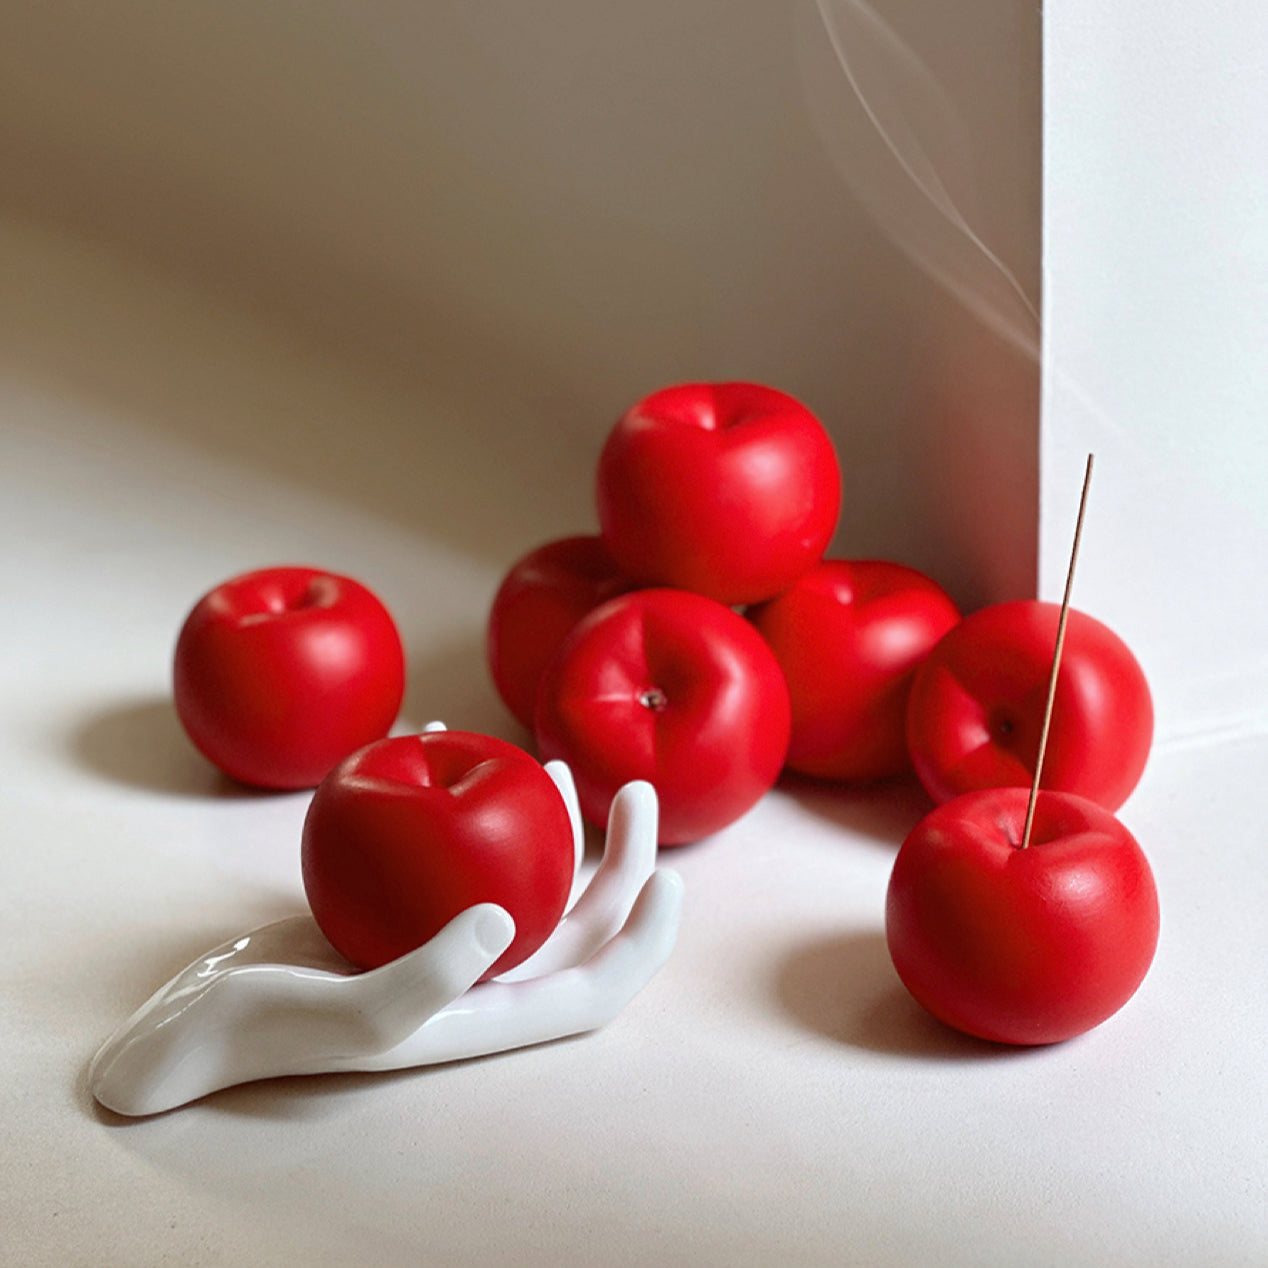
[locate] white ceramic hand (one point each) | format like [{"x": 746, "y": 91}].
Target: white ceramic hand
[{"x": 281, "y": 1001}]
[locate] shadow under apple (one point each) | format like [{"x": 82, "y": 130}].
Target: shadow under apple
[
  {"x": 140, "y": 743},
  {"x": 885, "y": 811},
  {"x": 845, "y": 988}
]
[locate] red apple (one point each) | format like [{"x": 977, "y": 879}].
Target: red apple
[
  {"x": 731, "y": 490},
  {"x": 672, "y": 688},
  {"x": 849, "y": 635},
  {"x": 539, "y": 601},
  {"x": 412, "y": 830},
  {"x": 281, "y": 673},
  {"x": 977, "y": 702},
  {"x": 1021, "y": 946}
]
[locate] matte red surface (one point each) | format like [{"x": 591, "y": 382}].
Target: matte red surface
[
  {"x": 849, "y": 635},
  {"x": 731, "y": 490},
  {"x": 539, "y": 601},
  {"x": 1021, "y": 946},
  {"x": 412, "y": 830},
  {"x": 673, "y": 688},
  {"x": 976, "y": 707},
  {"x": 279, "y": 674}
]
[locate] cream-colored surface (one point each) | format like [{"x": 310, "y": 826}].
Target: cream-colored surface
[
  {"x": 363, "y": 284},
  {"x": 771, "y": 1097}
]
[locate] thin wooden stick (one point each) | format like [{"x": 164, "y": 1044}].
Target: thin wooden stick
[{"x": 1056, "y": 658}]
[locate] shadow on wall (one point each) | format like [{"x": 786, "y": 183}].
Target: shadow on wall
[{"x": 452, "y": 243}]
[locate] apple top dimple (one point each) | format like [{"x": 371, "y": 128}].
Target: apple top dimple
[
  {"x": 268, "y": 594},
  {"x": 449, "y": 761},
  {"x": 296, "y": 592},
  {"x": 716, "y": 406},
  {"x": 322, "y": 591},
  {"x": 735, "y": 404},
  {"x": 1061, "y": 817}
]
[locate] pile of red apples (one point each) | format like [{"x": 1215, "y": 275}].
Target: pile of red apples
[{"x": 703, "y": 643}]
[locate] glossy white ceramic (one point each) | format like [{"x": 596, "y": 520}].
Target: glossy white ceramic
[{"x": 281, "y": 1001}]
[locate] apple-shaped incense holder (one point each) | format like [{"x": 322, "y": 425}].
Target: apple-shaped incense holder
[{"x": 1021, "y": 945}]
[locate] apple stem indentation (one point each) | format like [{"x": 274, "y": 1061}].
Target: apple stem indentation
[
  {"x": 317, "y": 594},
  {"x": 654, "y": 699},
  {"x": 1056, "y": 658}
]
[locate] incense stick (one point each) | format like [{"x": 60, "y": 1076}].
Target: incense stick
[{"x": 1056, "y": 658}]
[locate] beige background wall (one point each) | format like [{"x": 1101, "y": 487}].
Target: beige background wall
[{"x": 507, "y": 221}]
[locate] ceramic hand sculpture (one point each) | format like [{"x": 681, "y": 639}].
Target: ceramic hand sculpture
[{"x": 281, "y": 1001}]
